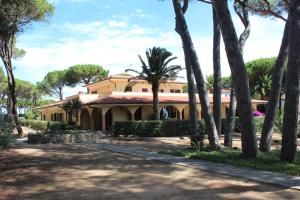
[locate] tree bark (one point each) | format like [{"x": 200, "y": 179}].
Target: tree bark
[
  {"x": 192, "y": 101},
  {"x": 244, "y": 17},
  {"x": 240, "y": 78},
  {"x": 267, "y": 129},
  {"x": 230, "y": 120},
  {"x": 290, "y": 118},
  {"x": 188, "y": 46},
  {"x": 217, "y": 88},
  {"x": 12, "y": 100},
  {"x": 155, "y": 88},
  {"x": 61, "y": 97}
]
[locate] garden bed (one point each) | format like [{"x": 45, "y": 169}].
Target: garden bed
[{"x": 266, "y": 162}]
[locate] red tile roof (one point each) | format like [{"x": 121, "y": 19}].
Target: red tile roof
[{"x": 127, "y": 99}]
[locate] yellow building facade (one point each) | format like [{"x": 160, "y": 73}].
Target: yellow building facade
[{"x": 121, "y": 98}]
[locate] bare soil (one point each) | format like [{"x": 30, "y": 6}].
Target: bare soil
[{"x": 79, "y": 172}]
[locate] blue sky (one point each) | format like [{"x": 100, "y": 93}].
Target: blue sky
[{"x": 112, "y": 33}]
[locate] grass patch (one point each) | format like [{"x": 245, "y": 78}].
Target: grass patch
[{"x": 267, "y": 162}]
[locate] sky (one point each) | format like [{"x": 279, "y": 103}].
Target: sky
[{"x": 112, "y": 33}]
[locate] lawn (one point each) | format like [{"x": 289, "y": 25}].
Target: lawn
[{"x": 267, "y": 162}]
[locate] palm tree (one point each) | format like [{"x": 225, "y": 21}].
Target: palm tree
[{"x": 157, "y": 71}]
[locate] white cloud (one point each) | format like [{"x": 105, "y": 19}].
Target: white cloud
[
  {"x": 113, "y": 23},
  {"x": 115, "y": 45}
]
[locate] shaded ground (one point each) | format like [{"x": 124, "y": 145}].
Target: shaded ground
[
  {"x": 172, "y": 143},
  {"x": 81, "y": 172}
]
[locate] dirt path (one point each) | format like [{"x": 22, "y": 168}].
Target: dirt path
[{"x": 80, "y": 172}]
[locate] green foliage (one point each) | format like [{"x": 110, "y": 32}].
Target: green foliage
[
  {"x": 225, "y": 81},
  {"x": 71, "y": 107},
  {"x": 2, "y": 75},
  {"x": 260, "y": 76},
  {"x": 158, "y": 69},
  {"x": 269, "y": 8},
  {"x": 6, "y": 137},
  {"x": 35, "y": 124},
  {"x": 57, "y": 127},
  {"x": 267, "y": 162},
  {"x": 53, "y": 83},
  {"x": 156, "y": 128},
  {"x": 16, "y": 14},
  {"x": 278, "y": 123},
  {"x": 85, "y": 74},
  {"x": 32, "y": 114},
  {"x": 258, "y": 121},
  {"x": 45, "y": 126}
]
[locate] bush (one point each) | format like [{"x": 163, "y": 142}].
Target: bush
[
  {"x": 32, "y": 115},
  {"x": 259, "y": 121},
  {"x": 6, "y": 137},
  {"x": 156, "y": 128},
  {"x": 54, "y": 127},
  {"x": 47, "y": 126},
  {"x": 34, "y": 124}
]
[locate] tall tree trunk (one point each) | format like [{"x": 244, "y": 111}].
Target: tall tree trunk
[
  {"x": 242, "y": 13},
  {"x": 240, "y": 78},
  {"x": 267, "y": 129},
  {"x": 188, "y": 46},
  {"x": 155, "y": 88},
  {"x": 217, "y": 104},
  {"x": 192, "y": 101},
  {"x": 290, "y": 118},
  {"x": 12, "y": 100},
  {"x": 230, "y": 119}
]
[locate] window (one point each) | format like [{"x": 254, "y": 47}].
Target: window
[
  {"x": 161, "y": 90},
  {"x": 57, "y": 117},
  {"x": 128, "y": 89},
  {"x": 144, "y": 90},
  {"x": 44, "y": 117},
  {"x": 174, "y": 91},
  {"x": 94, "y": 92}
]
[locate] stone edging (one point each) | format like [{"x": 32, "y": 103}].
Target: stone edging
[{"x": 80, "y": 137}]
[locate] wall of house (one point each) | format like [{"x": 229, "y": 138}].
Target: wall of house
[
  {"x": 147, "y": 113},
  {"x": 47, "y": 112},
  {"x": 104, "y": 88},
  {"x": 120, "y": 114}
]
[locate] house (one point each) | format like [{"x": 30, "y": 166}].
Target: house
[{"x": 121, "y": 98}]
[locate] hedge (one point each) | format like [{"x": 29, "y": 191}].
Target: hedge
[
  {"x": 258, "y": 121},
  {"x": 47, "y": 126},
  {"x": 156, "y": 128},
  {"x": 6, "y": 135}
]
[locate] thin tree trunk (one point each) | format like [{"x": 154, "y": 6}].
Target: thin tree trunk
[
  {"x": 192, "y": 101},
  {"x": 290, "y": 118},
  {"x": 188, "y": 46},
  {"x": 155, "y": 88},
  {"x": 240, "y": 78},
  {"x": 267, "y": 129},
  {"x": 61, "y": 97},
  {"x": 217, "y": 101},
  {"x": 230, "y": 120}
]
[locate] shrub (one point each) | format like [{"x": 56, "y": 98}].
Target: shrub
[
  {"x": 156, "y": 128},
  {"x": 259, "y": 121},
  {"x": 6, "y": 137},
  {"x": 54, "y": 127},
  {"x": 34, "y": 124},
  {"x": 31, "y": 114}
]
